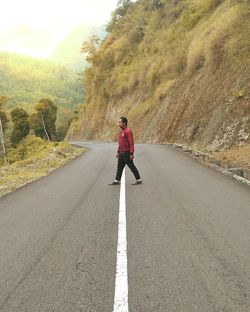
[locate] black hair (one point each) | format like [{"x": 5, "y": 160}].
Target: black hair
[{"x": 124, "y": 120}]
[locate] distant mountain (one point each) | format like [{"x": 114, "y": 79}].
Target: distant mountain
[{"x": 68, "y": 51}]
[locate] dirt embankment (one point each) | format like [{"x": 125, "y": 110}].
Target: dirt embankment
[
  {"x": 185, "y": 81},
  {"x": 235, "y": 157}
]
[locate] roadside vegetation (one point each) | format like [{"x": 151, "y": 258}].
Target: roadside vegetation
[
  {"x": 33, "y": 158},
  {"x": 30, "y": 146}
]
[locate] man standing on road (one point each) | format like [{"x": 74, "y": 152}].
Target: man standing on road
[{"x": 125, "y": 153}]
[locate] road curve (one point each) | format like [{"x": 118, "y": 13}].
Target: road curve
[{"x": 188, "y": 230}]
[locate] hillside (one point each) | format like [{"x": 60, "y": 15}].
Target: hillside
[
  {"x": 26, "y": 80},
  {"x": 178, "y": 69}
]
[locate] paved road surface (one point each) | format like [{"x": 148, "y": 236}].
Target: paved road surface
[{"x": 188, "y": 236}]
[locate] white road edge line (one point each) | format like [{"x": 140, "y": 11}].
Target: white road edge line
[{"x": 121, "y": 279}]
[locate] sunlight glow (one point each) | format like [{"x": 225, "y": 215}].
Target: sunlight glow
[{"x": 35, "y": 28}]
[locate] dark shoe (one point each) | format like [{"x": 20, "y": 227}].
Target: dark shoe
[
  {"x": 137, "y": 182},
  {"x": 115, "y": 183}
]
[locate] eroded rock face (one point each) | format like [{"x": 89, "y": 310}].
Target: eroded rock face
[{"x": 202, "y": 100}]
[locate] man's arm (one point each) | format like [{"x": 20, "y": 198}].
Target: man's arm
[{"x": 131, "y": 143}]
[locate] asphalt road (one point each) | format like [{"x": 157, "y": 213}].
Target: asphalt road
[{"x": 188, "y": 236}]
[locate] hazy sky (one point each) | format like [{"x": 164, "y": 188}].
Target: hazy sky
[{"x": 35, "y": 27}]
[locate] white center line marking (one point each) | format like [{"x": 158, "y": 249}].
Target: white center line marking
[{"x": 121, "y": 279}]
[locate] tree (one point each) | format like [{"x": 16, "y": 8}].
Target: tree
[
  {"x": 3, "y": 122},
  {"x": 21, "y": 128},
  {"x": 89, "y": 47},
  {"x": 3, "y": 115},
  {"x": 119, "y": 12},
  {"x": 153, "y": 5},
  {"x": 43, "y": 122},
  {"x": 62, "y": 130}
]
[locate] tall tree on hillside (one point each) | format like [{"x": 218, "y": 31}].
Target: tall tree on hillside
[
  {"x": 43, "y": 122},
  {"x": 21, "y": 128},
  {"x": 3, "y": 115},
  {"x": 89, "y": 48},
  {"x": 3, "y": 123},
  {"x": 119, "y": 12}
]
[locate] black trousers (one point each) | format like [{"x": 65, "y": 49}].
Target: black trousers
[{"x": 124, "y": 159}]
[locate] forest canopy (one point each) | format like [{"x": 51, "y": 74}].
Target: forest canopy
[{"x": 26, "y": 80}]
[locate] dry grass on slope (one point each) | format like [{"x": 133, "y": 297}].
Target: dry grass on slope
[
  {"x": 235, "y": 157},
  {"x": 185, "y": 80},
  {"x": 43, "y": 157}
]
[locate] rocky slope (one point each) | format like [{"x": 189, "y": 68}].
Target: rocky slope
[{"x": 179, "y": 70}]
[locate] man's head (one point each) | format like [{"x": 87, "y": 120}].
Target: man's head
[{"x": 123, "y": 121}]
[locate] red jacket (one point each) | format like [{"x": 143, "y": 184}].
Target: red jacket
[{"x": 126, "y": 141}]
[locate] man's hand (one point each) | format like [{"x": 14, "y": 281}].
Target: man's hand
[
  {"x": 131, "y": 157},
  {"x": 117, "y": 155}
]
